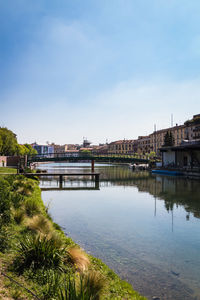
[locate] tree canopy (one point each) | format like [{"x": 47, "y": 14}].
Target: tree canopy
[
  {"x": 10, "y": 146},
  {"x": 8, "y": 142},
  {"x": 169, "y": 139}
]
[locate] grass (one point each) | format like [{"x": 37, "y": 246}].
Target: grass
[
  {"x": 8, "y": 170},
  {"x": 37, "y": 254},
  {"x": 78, "y": 258},
  {"x": 87, "y": 286},
  {"x": 39, "y": 224}
]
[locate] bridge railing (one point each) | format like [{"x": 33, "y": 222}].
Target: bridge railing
[{"x": 89, "y": 155}]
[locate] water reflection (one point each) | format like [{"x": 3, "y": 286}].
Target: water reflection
[{"x": 138, "y": 224}]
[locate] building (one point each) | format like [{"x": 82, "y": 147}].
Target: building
[
  {"x": 43, "y": 149},
  {"x": 60, "y": 148},
  {"x": 86, "y": 143},
  {"x": 71, "y": 147},
  {"x": 101, "y": 149},
  {"x": 143, "y": 145},
  {"x": 123, "y": 147},
  {"x": 157, "y": 137},
  {"x": 74, "y": 153},
  {"x": 185, "y": 156},
  {"x": 192, "y": 128}
]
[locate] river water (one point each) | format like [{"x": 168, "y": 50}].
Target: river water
[{"x": 145, "y": 227}]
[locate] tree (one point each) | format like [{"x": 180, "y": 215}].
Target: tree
[
  {"x": 152, "y": 155},
  {"x": 168, "y": 139},
  {"x": 20, "y": 149},
  {"x": 10, "y": 146},
  {"x": 8, "y": 142},
  {"x": 30, "y": 150},
  {"x": 171, "y": 139}
]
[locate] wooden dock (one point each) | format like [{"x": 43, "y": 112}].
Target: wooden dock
[{"x": 94, "y": 176}]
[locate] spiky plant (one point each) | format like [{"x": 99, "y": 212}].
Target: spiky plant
[
  {"x": 18, "y": 215},
  {"x": 35, "y": 252},
  {"x": 89, "y": 286},
  {"x": 31, "y": 207},
  {"x": 93, "y": 283},
  {"x": 56, "y": 239},
  {"x": 24, "y": 186},
  {"x": 39, "y": 224},
  {"x": 78, "y": 258},
  {"x": 51, "y": 282}
]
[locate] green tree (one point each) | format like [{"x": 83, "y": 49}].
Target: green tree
[
  {"x": 86, "y": 152},
  {"x": 8, "y": 142},
  {"x": 29, "y": 150},
  {"x": 10, "y": 146},
  {"x": 169, "y": 139},
  {"x": 20, "y": 149},
  {"x": 152, "y": 155}
]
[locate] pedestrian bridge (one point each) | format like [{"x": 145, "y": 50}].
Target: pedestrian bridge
[{"x": 85, "y": 157}]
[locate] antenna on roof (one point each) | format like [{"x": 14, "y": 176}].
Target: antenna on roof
[{"x": 154, "y": 127}]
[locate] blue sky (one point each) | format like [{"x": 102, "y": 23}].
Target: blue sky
[{"x": 106, "y": 69}]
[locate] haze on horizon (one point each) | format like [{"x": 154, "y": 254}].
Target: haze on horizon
[{"x": 100, "y": 69}]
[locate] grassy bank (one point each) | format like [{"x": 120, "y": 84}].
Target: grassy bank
[
  {"x": 8, "y": 170},
  {"x": 37, "y": 260}
]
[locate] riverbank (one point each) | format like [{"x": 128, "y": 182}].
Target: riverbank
[
  {"x": 8, "y": 170},
  {"x": 36, "y": 258}
]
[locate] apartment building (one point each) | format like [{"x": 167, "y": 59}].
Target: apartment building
[
  {"x": 123, "y": 147},
  {"x": 143, "y": 145},
  {"x": 192, "y": 128},
  {"x": 64, "y": 148},
  {"x": 60, "y": 148},
  {"x": 157, "y": 137},
  {"x": 43, "y": 149}
]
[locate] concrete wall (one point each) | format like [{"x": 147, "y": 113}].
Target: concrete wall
[
  {"x": 168, "y": 158},
  {"x": 3, "y": 161},
  {"x": 196, "y": 158},
  {"x": 13, "y": 161},
  {"x": 180, "y": 159}
]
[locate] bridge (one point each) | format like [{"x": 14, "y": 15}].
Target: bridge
[
  {"x": 85, "y": 157},
  {"x": 94, "y": 177}
]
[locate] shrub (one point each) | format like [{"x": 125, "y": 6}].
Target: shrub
[
  {"x": 88, "y": 287},
  {"x": 93, "y": 283},
  {"x": 57, "y": 239},
  {"x": 18, "y": 215},
  {"x": 24, "y": 186},
  {"x": 78, "y": 258},
  {"x": 37, "y": 252},
  {"x": 16, "y": 199},
  {"x": 5, "y": 202},
  {"x": 4, "y": 239},
  {"x": 40, "y": 224},
  {"x": 51, "y": 281},
  {"x": 31, "y": 207}
]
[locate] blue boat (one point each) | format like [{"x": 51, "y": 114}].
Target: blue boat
[{"x": 167, "y": 172}]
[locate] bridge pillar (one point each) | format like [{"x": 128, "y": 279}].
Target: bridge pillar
[
  {"x": 96, "y": 177},
  {"x": 60, "y": 181},
  {"x": 97, "y": 185},
  {"x": 96, "y": 181},
  {"x": 92, "y": 165}
]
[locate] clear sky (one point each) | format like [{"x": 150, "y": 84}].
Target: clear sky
[{"x": 103, "y": 69}]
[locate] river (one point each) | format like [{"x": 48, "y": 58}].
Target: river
[{"x": 145, "y": 227}]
